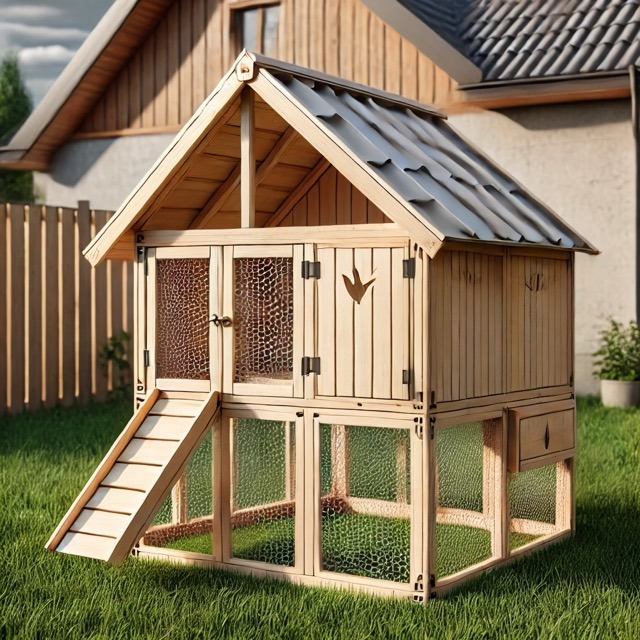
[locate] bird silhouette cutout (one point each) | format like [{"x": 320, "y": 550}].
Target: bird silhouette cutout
[{"x": 356, "y": 289}]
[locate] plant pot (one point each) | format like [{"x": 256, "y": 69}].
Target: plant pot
[{"x": 620, "y": 393}]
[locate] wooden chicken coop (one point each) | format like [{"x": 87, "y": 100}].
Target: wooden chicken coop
[{"x": 354, "y": 348}]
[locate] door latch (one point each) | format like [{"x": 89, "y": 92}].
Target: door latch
[{"x": 225, "y": 321}]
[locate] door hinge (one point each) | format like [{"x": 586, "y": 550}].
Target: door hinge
[
  {"x": 310, "y": 365},
  {"x": 432, "y": 427},
  {"x": 432, "y": 580},
  {"x": 409, "y": 268},
  {"x": 310, "y": 269},
  {"x": 419, "y": 428},
  {"x": 146, "y": 357},
  {"x": 406, "y": 376},
  {"x": 419, "y": 584}
]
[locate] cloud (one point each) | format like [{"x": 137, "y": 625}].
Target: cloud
[
  {"x": 18, "y": 33},
  {"x": 29, "y": 12},
  {"x": 52, "y": 54}
]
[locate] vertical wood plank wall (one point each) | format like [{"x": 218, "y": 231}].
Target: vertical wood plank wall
[
  {"x": 500, "y": 322},
  {"x": 183, "y": 60},
  {"x": 55, "y": 311}
]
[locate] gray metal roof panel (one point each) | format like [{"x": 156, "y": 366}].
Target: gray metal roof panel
[{"x": 417, "y": 155}]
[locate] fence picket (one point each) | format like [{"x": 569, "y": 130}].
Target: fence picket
[{"x": 54, "y": 308}]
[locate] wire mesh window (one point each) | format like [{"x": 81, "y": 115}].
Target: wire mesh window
[
  {"x": 365, "y": 521},
  {"x": 263, "y": 505},
  {"x": 184, "y": 520},
  {"x": 464, "y": 482},
  {"x": 263, "y": 319},
  {"x": 532, "y": 503},
  {"x": 182, "y": 321}
]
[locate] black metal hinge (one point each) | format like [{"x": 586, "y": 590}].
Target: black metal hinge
[
  {"x": 310, "y": 269},
  {"x": 409, "y": 268},
  {"x": 310, "y": 365},
  {"x": 146, "y": 357},
  {"x": 432, "y": 427}
]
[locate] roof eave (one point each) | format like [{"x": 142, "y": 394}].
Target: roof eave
[{"x": 427, "y": 40}]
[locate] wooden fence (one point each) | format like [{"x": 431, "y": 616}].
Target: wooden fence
[{"x": 56, "y": 313}]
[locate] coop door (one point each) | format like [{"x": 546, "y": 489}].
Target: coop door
[
  {"x": 263, "y": 321},
  {"x": 363, "y": 322},
  {"x": 182, "y": 289}
]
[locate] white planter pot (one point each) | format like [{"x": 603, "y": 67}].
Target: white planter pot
[{"x": 620, "y": 393}]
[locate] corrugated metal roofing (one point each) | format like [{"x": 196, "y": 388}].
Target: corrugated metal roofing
[
  {"x": 517, "y": 39},
  {"x": 453, "y": 186}
]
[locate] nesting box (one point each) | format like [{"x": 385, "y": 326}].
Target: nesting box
[{"x": 354, "y": 348}]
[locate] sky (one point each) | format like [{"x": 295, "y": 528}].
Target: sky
[{"x": 45, "y": 34}]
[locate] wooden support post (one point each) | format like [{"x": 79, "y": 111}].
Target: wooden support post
[
  {"x": 247, "y": 160},
  {"x": 563, "y": 495},
  {"x": 401, "y": 468},
  {"x": 179, "y": 512},
  {"x": 289, "y": 462},
  {"x": 492, "y": 476},
  {"x": 339, "y": 462}
]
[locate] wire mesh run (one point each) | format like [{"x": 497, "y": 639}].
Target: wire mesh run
[
  {"x": 533, "y": 497},
  {"x": 365, "y": 521},
  {"x": 263, "y": 505},
  {"x": 185, "y": 521},
  {"x": 465, "y": 493}
]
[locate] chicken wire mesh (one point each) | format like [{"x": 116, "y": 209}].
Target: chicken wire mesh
[
  {"x": 365, "y": 501},
  {"x": 532, "y": 504},
  {"x": 263, "y": 491},
  {"x": 182, "y": 324},
  {"x": 463, "y": 530},
  {"x": 263, "y": 319},
  {"x": 184, "y": 520}
]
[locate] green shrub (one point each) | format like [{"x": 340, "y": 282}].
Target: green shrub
[{"x": 619, "y": 353}]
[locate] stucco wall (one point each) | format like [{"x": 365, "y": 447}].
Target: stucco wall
[
  {"x": 579, "y": 159},
  {"x": 103, "y": 171}
]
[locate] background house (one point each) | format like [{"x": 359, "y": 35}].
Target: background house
[{"x": 543, "y": 87}]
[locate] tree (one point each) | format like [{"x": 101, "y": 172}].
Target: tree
[{"x": 15, "y": 107}]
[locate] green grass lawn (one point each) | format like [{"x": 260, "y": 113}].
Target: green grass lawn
[{"x": 586, "y": 587}]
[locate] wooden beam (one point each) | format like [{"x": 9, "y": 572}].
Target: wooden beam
[
  {"x": 247, "y": 160},
  {"x": 224, "y": 191},
  {"x": 299, "y": 192}
]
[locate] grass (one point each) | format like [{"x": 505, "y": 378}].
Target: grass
[{"x": 586, "y": 587}]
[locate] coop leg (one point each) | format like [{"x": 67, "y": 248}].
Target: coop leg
[
  {"x": 563, "y": 495},
  {"x": 492, "y": 483},
  {"x": 339, "y": 471},
  {"x": 179, "y": 501}
]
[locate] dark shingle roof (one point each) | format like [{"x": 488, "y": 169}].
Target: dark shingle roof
[{"x": 522, "y": 39}]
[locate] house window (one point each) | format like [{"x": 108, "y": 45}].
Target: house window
[{"x": 257, "y": 25}]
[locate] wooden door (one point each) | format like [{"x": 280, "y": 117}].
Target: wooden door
[
  {"x": 262, "y": 320},
  {"x": 182, "y": 294},
  {"x": 363, "y": 322}
]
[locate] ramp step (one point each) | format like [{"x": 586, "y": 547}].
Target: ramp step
[
  {"x": 172, "y": 407},
  {"x": 164, "y": 428},
  {"x": 116, "y": 500},
  {"x": 148, "y": 451},
  {"x": 82, "y": 544},
  {"x": 132, "y": 476},
  {"x": 103, "y": 523}
]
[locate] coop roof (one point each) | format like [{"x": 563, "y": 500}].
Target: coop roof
[
  {"x": 404, "y": 156},
  {"x": 512, "y": 40}
]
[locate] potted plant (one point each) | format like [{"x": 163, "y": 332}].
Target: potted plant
[{"x": 618, "y": 365}]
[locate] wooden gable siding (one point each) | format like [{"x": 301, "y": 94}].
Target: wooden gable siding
[
  {"x": 500, "y": 321},
  {"x": 184, "y": 58}
]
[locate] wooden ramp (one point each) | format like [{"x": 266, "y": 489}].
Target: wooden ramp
[{"x": 121, "y": 498}]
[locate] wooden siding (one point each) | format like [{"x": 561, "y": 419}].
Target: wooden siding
[
  {"x": 185, "y": 57},
  {"x": 467, "y": 325},
  {"x": 540, "y": 322},
  {"x": 499, "y": 322},
  {"x": 363, "y": 346},
  {"x": 56, "y": 313},
  {"x": 333, "y": 200}
]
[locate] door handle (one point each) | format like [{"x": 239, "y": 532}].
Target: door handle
[
  {"x": 225, "y": 321},
  {"x": 546, "y": 437}
]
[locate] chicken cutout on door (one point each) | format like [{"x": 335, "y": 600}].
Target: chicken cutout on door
[{"x": 357, "y": 288}]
